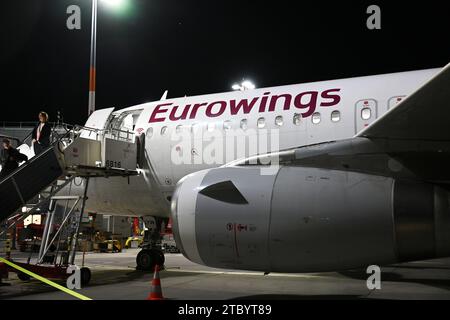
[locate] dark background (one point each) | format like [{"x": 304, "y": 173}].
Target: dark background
[{"x": 198, "y": 47}]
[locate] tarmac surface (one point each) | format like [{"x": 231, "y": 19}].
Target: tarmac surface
[{"x": 114, "y": 277}]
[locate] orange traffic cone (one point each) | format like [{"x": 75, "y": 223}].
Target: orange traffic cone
[{"x": 156, "y": 293}]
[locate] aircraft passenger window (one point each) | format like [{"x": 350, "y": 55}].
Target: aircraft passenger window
[
  {"x": 336, "y": 116},
  {"x": 297, "y": 119},
  {"x": 149, "y": 133},
  {"x": 279, "y": 121},
  {"x": 261, "y": 123},
  {"x": 244, "y": 124},
  {"x": 178, "y": 128},
  {"x": 316, "y": 118},
  {"x": 163, "y": 131},
  {"x": 366, "y": 113},
  {"x": 227, "y": 125},
  {"x": 211, "y": 127},
  {"x": 195, "y": 127}
]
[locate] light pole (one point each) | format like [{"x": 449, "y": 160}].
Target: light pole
[
  {"x": 116, "y": 4},
  {"x": 92, "y": 68}
]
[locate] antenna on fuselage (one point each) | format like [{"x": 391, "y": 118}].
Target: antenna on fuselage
[{"x": 164, "y": 96}]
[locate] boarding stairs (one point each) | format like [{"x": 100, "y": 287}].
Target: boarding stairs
[{"x": 76, "y": 152}]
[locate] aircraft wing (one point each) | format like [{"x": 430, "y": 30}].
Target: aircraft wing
[{"x": 424, "y": 115}]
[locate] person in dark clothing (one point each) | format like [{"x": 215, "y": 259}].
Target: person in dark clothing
[
  {"x": 10, "y": 159},
  {"x": 41, "y": 134}
]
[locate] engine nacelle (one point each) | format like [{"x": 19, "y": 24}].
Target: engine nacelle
[{"x": 307, "y": 219}]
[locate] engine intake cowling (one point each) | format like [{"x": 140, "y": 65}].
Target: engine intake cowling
[{"x": 307, "y": 219}]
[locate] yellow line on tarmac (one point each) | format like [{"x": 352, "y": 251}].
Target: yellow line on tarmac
[{"x": 51, "y": 283}]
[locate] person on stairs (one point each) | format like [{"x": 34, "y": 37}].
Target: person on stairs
[
  {"x": 10, "y": 158},
  {"x": 41, "y": 134}
]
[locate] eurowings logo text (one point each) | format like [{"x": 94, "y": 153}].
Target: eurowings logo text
[{"x": 307, "y": 102}]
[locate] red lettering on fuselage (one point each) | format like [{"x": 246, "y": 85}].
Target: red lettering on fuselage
[
  {"x": 183, "y": 115},
  {"x": 209, "y": 109},
  {"x": 335, "y": 99},
  {"x": 157, "y": 110},
  {"x": 195, "y": 109},
  {"x": 308, "y": 101},
  {"x": 262, "y": 105},
  {"x": 243, "y": 104},
  {"x": 287, "y": 102}
]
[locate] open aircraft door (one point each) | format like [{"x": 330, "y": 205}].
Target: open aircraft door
[{"x": 98, "y": 120}]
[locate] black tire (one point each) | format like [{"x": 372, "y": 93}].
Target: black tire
[
  {"x": 23, "y": 276},
  {"x": 85, "y": 276},
  {"x": 158, "y": 257},
  {"x": 145, "y": 260}
]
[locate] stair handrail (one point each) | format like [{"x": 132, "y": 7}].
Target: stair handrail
[{"x": 71, "y": 133}]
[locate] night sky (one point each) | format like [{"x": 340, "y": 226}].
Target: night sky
[{"x": 199, "y": 47}]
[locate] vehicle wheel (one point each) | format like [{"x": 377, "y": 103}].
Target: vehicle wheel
[
  {"x": 23, "y": 276},
  {"x": 85, "y": 276},
  {"x": 145, "y": 260},
  {"x": 158, "y": 257}
]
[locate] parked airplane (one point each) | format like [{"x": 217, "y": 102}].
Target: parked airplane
[{"x": 357, "y": 174}]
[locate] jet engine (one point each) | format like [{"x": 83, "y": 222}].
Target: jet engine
[{"x": 301, "y": 219}]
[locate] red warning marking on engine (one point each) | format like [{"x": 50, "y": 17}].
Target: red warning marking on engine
[{"x": 242, "y": 227}]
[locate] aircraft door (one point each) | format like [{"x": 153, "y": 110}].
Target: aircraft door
[
  {"x": 157, "y": 148},
  {"x": 98, "y": 120}
]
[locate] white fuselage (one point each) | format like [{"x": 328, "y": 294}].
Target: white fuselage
[{"x": 184, "y": 135}]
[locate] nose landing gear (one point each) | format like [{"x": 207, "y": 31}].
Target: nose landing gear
[
  {"x": 151, "y": 253},
  {"x": 148, "y": 258}
]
